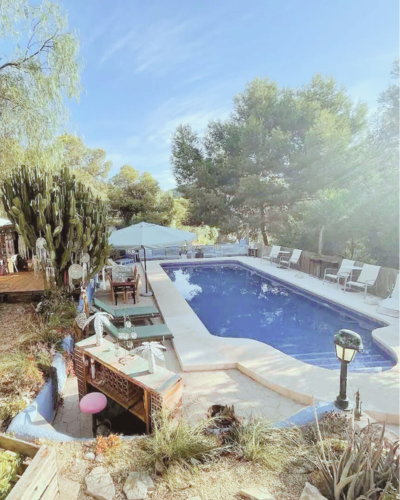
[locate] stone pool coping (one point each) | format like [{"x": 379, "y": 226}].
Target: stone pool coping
[{"x": 198, "y": 350}]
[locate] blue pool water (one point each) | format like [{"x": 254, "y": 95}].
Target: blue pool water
[{"x": 235, "y": 301}]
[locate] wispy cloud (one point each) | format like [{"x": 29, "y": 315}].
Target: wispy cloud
[
  {"x": 116, "y": 46},
  {"x": 161, "y": 46}
]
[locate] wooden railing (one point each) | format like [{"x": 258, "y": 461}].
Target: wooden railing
[{"x": 309, "y": 264}]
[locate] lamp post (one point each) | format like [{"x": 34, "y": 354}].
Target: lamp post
[{"x": 347, "y": 343}]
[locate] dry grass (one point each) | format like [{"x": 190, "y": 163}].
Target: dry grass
[
  {"x": 219, "y": 480},
  {"x": 14, "y": 325}
]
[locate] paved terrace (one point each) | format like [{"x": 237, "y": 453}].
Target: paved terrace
[
  {"x": 198, "y": 350},
  {"x": 201, "y": 389}
]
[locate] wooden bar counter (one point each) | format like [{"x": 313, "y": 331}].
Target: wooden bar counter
[{"x": 128, "y": 383}]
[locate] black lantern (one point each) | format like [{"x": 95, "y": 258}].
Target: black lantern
[{"x": 347, "y": 343}]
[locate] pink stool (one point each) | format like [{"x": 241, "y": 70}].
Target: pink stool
[{"x": 94, "y": 402}]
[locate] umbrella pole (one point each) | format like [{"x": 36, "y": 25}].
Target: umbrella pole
[{"x": 146, "y": 293}]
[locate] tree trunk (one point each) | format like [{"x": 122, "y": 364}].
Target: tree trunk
[
  {"x": 265, "y": 236},
  {"x": 321, "y": 240},
  {"x": 263, "y": 230}
]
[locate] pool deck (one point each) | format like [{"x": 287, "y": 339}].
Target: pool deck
[{"x": 198, "y": 350}]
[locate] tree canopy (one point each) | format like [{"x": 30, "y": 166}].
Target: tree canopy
[
  {"x": 39, "y": 68},
  {"x": 298, "y": 164},
  {"x": 279, "y": 146},
  {"x": 138, "y": 197}
]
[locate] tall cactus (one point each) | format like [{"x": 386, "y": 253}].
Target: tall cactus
[{"x": 63, "y": 211}]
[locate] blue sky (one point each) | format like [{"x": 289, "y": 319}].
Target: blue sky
[{"x": 151, "y": 65}]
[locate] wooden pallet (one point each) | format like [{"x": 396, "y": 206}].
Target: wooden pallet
[{"x": 40, "y": 479}]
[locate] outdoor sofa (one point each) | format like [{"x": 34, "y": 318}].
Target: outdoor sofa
[
  {"x": 226, "y": 250},
  {"x": 160, "y": 253}
]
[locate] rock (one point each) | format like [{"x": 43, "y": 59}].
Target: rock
[
  {"x": 256, "y": 493},
  {"x": 137, "y": 485},
  {"x": 90, "y": 456},
  {"x": 159, "y": 467},
  {"x": 99, "y": 484},
  {"x": 310, "y": 492}
]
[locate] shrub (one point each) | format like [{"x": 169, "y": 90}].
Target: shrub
[
  {"x": 9, "y": 408},
  {"x": 19, "y": 374},
  {"x": 57, "y": 309},
  {"x": 367, "y": 468},
  {"x": 175, "y": 442},
  {"x": 256, "y": 440},
  {"x": 104, "y": 444},
  {"x": 332, "y": 424},
  {"x": 10, "y": 465}
]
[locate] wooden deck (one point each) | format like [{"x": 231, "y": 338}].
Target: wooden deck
[{"x": 23, "y": 283}]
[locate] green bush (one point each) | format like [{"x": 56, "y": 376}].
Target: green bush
[
  {"x": 176, "y": 442},
  {"x": 10, "y": 464}
]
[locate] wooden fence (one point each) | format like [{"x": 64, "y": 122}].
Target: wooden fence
[{"x": 314, "y": 264}]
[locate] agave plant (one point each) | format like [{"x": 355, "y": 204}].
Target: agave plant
[
  {"x": 365, "y": 469},
  {"x": 100, "y": 319},
  {"x": 151, "y": 349}
]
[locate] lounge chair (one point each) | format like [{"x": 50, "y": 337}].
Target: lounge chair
[
  {"x": 367, "y": 278},
  {"x": 293, "y": 261},
  {"x": 341, "y": 273},
  {"x": 134, "y": 312},
  {"x": 147, "y": 333},
  {"x": 390, "y": 306},
  {"x": 274, "y": 254}
]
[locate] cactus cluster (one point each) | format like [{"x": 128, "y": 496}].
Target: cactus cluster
[{"x": 63, "y": 211}]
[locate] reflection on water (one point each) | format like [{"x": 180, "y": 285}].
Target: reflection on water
[
  {"x": 183, "y": 284},
  {"x": 232, "y": 301}
]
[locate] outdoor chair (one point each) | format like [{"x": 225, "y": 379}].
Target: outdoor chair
[
  {"x": 341, "y": 273},
  {"x": 293, "y": 261},
  {"x": 274, "y": 254},
  {"x": 390, "y": 306},
  {"x": 367, "y": 278}
]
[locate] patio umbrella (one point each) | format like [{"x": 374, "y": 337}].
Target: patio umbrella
[{"x": 145, "y": 235}]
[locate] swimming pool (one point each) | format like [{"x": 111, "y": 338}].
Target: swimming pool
[{"x": 233, "y": 300}]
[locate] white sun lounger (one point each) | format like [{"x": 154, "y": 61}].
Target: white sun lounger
[
  {"x": 390, "y": 306},
  {"x": 293, "y": 261},
  {"x": 341, "y": 273},
  {"x": 274, "y": 254},
  {"x": 367, "y": 278}
]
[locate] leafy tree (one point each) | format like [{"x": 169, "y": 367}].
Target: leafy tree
[
  {"x": 362, "y": 220},
  {"x": 39, "y": 67},
  {"x": 89, "y": 165},
  {"x": 278, "y": 147},
  {"x": 63, "y": 211},
  {"x": 135, "y": 198}
]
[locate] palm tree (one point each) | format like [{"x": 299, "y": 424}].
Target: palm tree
[
  {"x": 99, "y": 318},
  {"x": 151, "y": 349}
]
